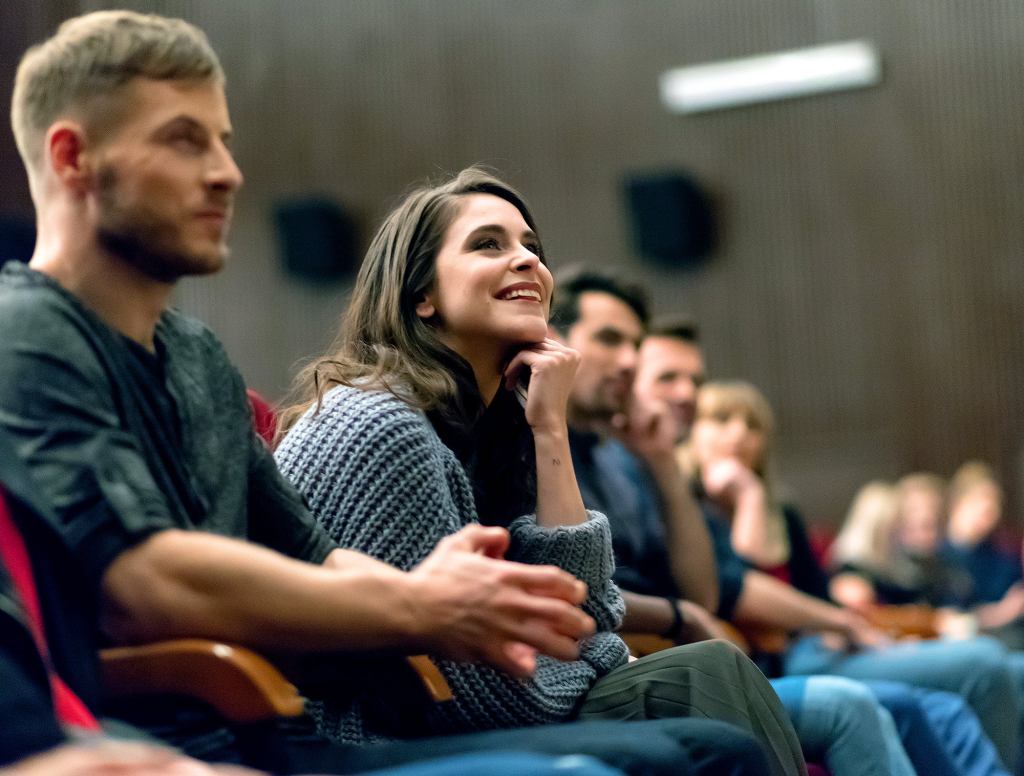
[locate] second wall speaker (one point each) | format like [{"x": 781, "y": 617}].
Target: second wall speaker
[{"x": 671, "y": 217}]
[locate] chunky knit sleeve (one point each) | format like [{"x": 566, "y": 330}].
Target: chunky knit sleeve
[
  {"x": 379, "y": 479},
  {"x": 584, "y": 550}
]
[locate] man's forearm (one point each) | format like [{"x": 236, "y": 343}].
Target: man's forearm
[
  {"x": 647, "y": 614},
  {"x": 180, "y": 583},
  {"x": 690, "y": 550},
  {"x": 765, "y": 600},
  {"x": 462, "y": 601}
]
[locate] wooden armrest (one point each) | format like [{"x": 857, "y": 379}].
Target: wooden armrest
[
  {"x": 238, "y": 683},
  {"x": 902, "y": 621},
  {"x": 433, "y": 681},
  {"x": 643, "y": 644},
  {"x": 747, "y": 637},
  {"x": 757, "y": 638}
]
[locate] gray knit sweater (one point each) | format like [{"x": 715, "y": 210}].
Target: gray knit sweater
[{"x": 380, "y": 480}]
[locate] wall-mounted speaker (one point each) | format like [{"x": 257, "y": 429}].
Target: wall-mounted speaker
[
  {"x": 317, "y": 239},
  {"x": 671, "y": 217}
]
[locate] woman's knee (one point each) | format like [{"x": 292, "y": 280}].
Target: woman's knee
[{"x": 714, "y": 660}]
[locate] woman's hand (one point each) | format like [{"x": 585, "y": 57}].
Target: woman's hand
[
  {"x": 727, "y": 480},
  {"x": 552, "y": 367},
  {"x": 1009, "y": 608},
  {"x": 758, "y": 529}
]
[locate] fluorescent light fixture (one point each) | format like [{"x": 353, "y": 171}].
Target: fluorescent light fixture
[{"x": 829, "y": 68}]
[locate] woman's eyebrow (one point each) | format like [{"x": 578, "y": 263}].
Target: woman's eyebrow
[{"x": 489, "y": 229}]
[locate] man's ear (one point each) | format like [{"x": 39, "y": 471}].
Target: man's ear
[{"x": 66, "y": 156}]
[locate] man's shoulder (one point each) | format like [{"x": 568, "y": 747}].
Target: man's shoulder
[
  {"x": 29, "y": 296},
  {"x": 37, "y": 316}
]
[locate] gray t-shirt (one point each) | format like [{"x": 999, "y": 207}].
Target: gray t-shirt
[{"x": 92, "y": 421}]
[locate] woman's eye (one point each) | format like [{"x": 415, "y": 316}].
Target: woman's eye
[
  {"x": 486, "y": 244},
  {"x": 533, "y": 248}
]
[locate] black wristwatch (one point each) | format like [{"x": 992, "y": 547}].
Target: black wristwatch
[{"x": 675, "y": 630}]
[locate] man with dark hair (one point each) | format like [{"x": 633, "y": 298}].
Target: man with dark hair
[
  {"x": 576, "y": 281},
  {"x": 605, "y": 319}
]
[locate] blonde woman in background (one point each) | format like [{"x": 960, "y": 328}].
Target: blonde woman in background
[{"x": 864, "y": 552}]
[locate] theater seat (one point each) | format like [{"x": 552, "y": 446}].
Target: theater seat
[{"x": 749, "y": 638}]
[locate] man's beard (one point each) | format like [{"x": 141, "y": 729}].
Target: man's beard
[
  {"x": 145, "y": 240},
  {"x": 596, "y": 412}
]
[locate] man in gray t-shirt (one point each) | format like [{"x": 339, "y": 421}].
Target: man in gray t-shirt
[{"x": 134, "y": 423}]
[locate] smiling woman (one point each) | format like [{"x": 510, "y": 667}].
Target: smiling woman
[
  {"x": 448, "y": 314},
  {"x": 410, "y": 429}
]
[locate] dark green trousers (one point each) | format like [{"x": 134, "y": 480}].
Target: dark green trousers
[{"x": 710, "y": 679}]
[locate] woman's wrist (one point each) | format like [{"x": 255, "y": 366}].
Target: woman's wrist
[
  {"x": 553, "y": 432},
  {"x": 750, "y": 491}
]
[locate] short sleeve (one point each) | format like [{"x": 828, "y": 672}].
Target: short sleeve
[
  {"x": 57, "y": 405},
  {"x": 278, "y": 516}
]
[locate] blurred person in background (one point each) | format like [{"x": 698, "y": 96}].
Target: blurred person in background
[{"x": 729, "y": 456}]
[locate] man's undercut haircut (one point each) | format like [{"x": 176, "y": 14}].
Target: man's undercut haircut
[
  {"x": 680, "y": 327},
  {"x": 93, "y": 56},
  {"x": 572, "y": 283}
]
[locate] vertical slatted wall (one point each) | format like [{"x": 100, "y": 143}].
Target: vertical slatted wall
[{"x": 870, "y": 273}]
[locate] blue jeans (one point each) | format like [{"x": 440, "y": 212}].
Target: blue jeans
[
  {"x": 941, "y": 734},
  {"x": 978, "y": 670},
  {"x": 840, "y": 724},
  {"x": 508, "y": 764}
]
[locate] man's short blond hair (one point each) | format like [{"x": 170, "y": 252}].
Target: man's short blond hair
[{"x": 90, "y": 58}]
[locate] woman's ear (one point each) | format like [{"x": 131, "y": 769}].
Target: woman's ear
[{"x": 425, "y": 308}]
